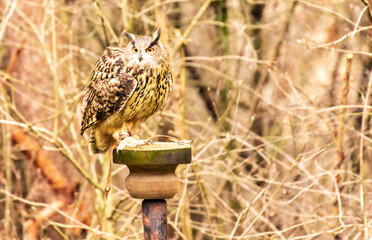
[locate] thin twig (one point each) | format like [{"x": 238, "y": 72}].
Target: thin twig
[
  {"x": 341, "y": 113},
  {"x": 5, "y": 20},
  {"x": 361, "y": 162},
  {"x": 190, "y": 27},
  {"x": 366, "y": 2}
]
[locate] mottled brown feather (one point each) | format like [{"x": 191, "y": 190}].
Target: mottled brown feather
[{"x": 109, "y": 89}]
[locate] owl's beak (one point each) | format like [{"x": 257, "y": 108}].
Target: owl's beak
[{"x": 140, "y": 56}]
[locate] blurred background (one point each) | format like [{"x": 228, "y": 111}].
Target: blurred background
[{"x": 275, "y": 95}]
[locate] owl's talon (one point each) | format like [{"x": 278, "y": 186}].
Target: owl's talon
[
  {"x": 184, "y": 141},
  {"x": 130, "y": 142},
  {"x": 123, "y": 135},
  {"x": 149, "y": 142}
]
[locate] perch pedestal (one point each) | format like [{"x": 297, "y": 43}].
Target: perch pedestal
[{"x": 152, "y": 177}]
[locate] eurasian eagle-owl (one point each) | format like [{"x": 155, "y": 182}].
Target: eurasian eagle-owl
[{"x": 127, "y": 86}]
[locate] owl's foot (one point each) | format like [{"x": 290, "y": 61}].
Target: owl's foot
[
  {"x": 120, "y": 135},
  {"x": 131, "y": 142}
]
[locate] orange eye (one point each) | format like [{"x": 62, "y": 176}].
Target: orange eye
[
  {"x": 150, "y": 50},
  {"x": 135, "y": 50}
]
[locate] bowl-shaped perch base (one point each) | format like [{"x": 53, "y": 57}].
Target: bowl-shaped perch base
[{"x": 152, "y": 168}]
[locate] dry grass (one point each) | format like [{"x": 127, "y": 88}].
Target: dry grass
[{"x": 275, "y": 95}]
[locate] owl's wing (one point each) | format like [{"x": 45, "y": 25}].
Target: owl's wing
[{"x": 107, "y": 93}]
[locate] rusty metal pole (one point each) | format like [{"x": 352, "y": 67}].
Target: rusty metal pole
[{"x": 154, "y": 216}]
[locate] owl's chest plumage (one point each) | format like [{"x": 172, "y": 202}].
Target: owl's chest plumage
[{"x": 150, "y": 95}]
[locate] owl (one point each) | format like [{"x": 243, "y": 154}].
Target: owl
[{"x": 127, "y": 86}]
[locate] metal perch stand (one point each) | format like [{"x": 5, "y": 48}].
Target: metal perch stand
[{"x": 152, "y": 178}]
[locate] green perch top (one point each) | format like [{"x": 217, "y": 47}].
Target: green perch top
[{"x": 157, "y": 153}]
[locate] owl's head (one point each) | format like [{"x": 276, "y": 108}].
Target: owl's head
[{"x": 144, "y": 51}]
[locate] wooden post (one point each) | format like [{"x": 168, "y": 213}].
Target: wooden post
[{"x": 152, "y": 177}]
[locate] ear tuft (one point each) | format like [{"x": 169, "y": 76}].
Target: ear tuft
[
  {"x": 130, "y": 36},
  {"x": 157, "y": 34},
  {"x": 156, "y": 37}
]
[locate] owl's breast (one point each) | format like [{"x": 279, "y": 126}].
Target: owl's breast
[{"x": 150, "y": 95}]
